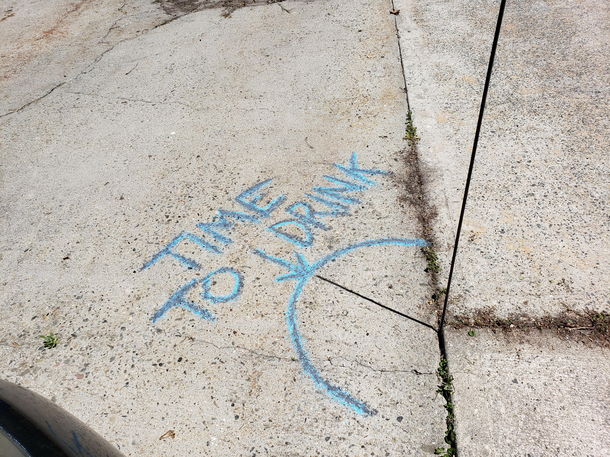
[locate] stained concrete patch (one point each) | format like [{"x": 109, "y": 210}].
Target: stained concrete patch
[
  {"x": 535, "y": 236},
  {"x": 156, "y": 217},
  {"x": 51, "y": 43},
  {"x": 529, "y": 394}
]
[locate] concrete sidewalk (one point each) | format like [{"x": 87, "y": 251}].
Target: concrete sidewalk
[
  {"x": 193, "y": 195},
  {"x": 170, "y": 209},
  {"x": 533, "y": 268}
]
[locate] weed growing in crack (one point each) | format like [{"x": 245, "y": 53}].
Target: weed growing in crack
[
  {"x": 414, "y": 194},
  {"x": 432, "y": 260},
  {"x": 440, "y": 293},
  {"x": 601, "y": 321},
  {"x": 445, "y": 388},
  {"x": 585, "y": 325},
  {"x": 411, "y": 131}
]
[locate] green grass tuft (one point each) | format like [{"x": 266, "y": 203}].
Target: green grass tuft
[{"x": 50, "y": 340}]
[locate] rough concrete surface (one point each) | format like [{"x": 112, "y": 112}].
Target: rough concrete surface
[
  {"x": 529, "y": 394},
  {"x": 543, "y": 238},
  {"x": 535, "y": 237},
  {"x": 165, "y": 324},
  {"x": 49, "y": 44},
  {"x": 445, "y": 48}
]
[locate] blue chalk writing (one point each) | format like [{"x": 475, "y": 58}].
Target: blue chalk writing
[
  {"x": 357, "y": 173},
  {"x": 338, "y": 193},
  {"x": 353, "y": 172},
  {"x": 336, "y": 198},
  {"x": 169, "y": 250},
  {"x": 255, "y": 198},
  {"x": 224, "y": 223},
  {"x": 338, "y": 209},
  {"x": 301, "y": 271},
  {"x": 179, "y": 300},
  {"x": 298, "y": 270},
  {"x": 306, "y": 230},
  {"x": 209, "y": 228},
  {"x": 206, "y": 284},
  {"x": 310, "y": 216}
]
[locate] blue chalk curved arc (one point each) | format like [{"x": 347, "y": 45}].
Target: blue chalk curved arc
[{"x": 338, "y": 394}]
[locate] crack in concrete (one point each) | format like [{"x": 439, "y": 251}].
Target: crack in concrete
[
  {"x": 137, "y": 100},
  {"x": 110, "y": 29},
  {"x": 135, "y": 66},
  {"x": 96, "y": 61},
  {"x": 35, "y": 100},
  {"x": 92, "y": 65},
  {"x": 229, "y": 5},
  {"x": 85, "y": 71},
  {"x": 258, "y": 354},
  {"x": 378, "y": 370}
]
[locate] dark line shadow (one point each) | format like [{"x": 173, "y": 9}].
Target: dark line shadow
[
  {"x": 472, "y": 158},
  {"x": 376, "y": 303}
]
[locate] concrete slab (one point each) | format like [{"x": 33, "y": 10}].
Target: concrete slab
[
  {"x": 166, "y": 212},
  {"x": 535, "y": 236},
  {"x": 445, "y": 47},
  {"x": 50, "y": 43},
  {"x": 529, "y": 394}
]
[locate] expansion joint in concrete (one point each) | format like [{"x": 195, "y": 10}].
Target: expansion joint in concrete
[
  {"x": 402, "y": 64},
  {"x": 426, "y": 213}
]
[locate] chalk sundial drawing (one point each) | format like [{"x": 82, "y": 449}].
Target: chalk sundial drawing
[
  {"x": 302, "y": 272},
  {"x": 337, "y": 199}
]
